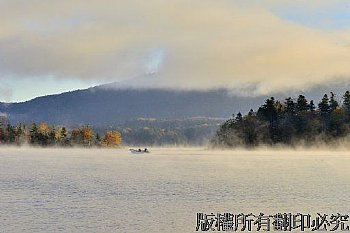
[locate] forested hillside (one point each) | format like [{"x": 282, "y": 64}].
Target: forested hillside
[{"x": 100, "y": 106}]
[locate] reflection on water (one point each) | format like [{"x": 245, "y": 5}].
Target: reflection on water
[{"x": 47, "y": 190}]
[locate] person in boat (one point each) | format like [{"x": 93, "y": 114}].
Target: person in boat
[
  {"x": 145, "y": 150},
  {"x": 139, "y": 150}
]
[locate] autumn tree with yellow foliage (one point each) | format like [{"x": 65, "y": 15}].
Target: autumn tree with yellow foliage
[
  {"x": 44, "y": 133},
  {"x": 87, "y": 135},
  {"x": 112, "y": 139},
  {"x": 43, "y": 129}
]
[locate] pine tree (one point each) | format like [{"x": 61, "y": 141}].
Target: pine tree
[
  {"x": 346, "y": 102},
  {"x": 324, "y": 105},
  {"x": 290, "y": 106},
  {"x": 268, "y": 110},
  {"x": 333, "y": 103},
  {"x": 312, "y": 106},
  {"x": 302, "y": 104},
  {"x": 251, "y": 113},
  {"x": 239, "y": 117}
]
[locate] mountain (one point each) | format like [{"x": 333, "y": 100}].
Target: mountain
[
  {"x": 110, "y": 104},
  {"x": 107, "y": 105}
]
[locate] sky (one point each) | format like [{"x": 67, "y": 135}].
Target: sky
[{"x": 256, "y": 47}]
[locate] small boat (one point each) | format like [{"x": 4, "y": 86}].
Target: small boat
[{"x": 139, "y": 151}]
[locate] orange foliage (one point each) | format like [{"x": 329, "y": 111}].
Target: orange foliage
[
  {"x": 112, "y": 138},
  {"x": 87, "y": 134}
]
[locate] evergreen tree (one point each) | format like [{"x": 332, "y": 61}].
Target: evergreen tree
[
  {"x": 239, "y": 117},
  {"x": 312, "y": 106},
  {"x": 251, "y": 113},
  {"x": 34, "y": 134},
  {"x": 290, "y": 106},
  {"x": 333, "y": 103},
  {"x": 324, "y": 105},
  {"x": 346, "y": 102},
  {"x": 268, "y": 111},
  {"x": 302, "y": 104}
]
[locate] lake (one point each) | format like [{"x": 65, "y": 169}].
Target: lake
[{"x": 92, "y": 190}]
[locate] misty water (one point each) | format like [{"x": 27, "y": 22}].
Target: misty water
[{"x": 70, "y": 190}]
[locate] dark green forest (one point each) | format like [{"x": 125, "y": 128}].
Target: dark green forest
[{"x": 290, "y": 122}]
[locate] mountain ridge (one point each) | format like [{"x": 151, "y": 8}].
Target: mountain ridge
[
  {"x": 101, "y": 105},
  {"x": 108, "y": 104}
]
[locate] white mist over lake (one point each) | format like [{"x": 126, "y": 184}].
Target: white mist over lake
[{"x": 73, "y": 190}]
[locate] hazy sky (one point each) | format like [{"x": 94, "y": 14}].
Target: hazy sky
[{"x": 262, "y": 46}]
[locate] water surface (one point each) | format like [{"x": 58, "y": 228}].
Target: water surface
[{"x": 71, "y": 190}]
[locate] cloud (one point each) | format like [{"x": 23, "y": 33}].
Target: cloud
[
  {"x": 6, "y": 93},
  {"x": 183, "y": 44}
]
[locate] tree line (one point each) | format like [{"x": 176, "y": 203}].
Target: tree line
[
  {"x": 164, "y": 132},
  {"x": 44, "y": 135},
  {"x": 291, "y": 122}
]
